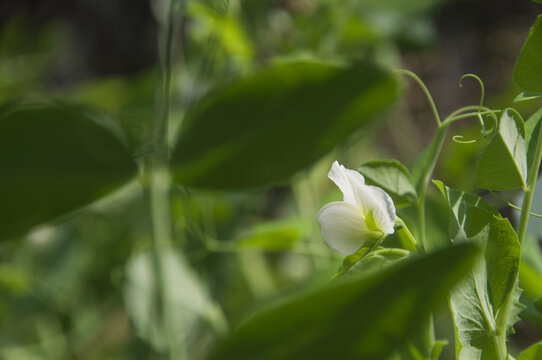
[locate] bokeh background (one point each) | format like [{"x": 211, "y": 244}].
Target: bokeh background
[{"x": 76, "y": 289}]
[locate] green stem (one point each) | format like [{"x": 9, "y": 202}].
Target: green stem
[
  {"x": 468, "y": 115},
  {"x": 512, "y": 205},
  {"x": 425, "y": 91},
  {"x": 157, "y": 179},
  {"x": 435, "y": 149}
]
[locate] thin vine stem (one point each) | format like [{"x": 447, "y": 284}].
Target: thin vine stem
[
  {"x": 426, "y": 92},
  {"x": 156, "y": 173},
  {"x": 515, "y": 207}
]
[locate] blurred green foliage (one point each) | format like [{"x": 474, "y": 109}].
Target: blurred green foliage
[{"x": 76, "y": 272}]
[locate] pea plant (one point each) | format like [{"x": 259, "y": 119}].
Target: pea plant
[{"x": 263, "y": 128}]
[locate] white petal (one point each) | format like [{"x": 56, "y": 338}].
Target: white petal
[
  {"x": 349, "y": 181},
  {"x": 378, "y": 204},
  {"x": 343, "y": 228}
]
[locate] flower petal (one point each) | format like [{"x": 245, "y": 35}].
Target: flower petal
[
  {"x": 343, "y": 228},
  {"x": 378, "y": 206},
  {"x": 349, "y": 181}
]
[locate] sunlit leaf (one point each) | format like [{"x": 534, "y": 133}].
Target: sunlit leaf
[
  {"x": 534, "y": 352},
  {"x": 224, "y": 27},
  {"x": 476, "y": 301},
  {"x": 528, "y": 68},
  {"x": 267, "y": 126},
  {"x": 53, "y": 160},
  {"x": 365, "y": 317},
  {"x": 272, "y": 236},
  {"x": 393, "y": 177},
  {"x": 503, "y": 163}
]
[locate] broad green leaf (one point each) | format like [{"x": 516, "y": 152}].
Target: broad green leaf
[
  {"x": 525, "y": 96},
  {"x": 528, "y": 68},
  {"x": 393, "y": 177},
  {"x": 476, "y": 301},
  {"x": 186, "y": 293},
  {"x": 268, "y": 125},
  {"x": 54, "y": 159},
  {"x": 503, "y": 163},
  {"x": 532, "y": 134},
  {"x": 534, "y": 352},
  {"x": 357, "y": 317}
]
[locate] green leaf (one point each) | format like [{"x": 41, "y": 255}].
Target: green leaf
[
  {"x": 476, "y": 301},
  {"x": 525, "y": 96},
  {"x": 503, "y": 164},
  {"x": 528, "y": 68},
  {"x": 365, "y": 317},
  {"x": 532, "y": 134},
  {"x": 186, "y": 293},
  {"x": 267, "y": 126},
  {"x": 54, "y": 159},
  {"x": 273, "y": 236},
  {"x": 393, "y": 177},
  {"x": 530, "y": 277},
  {"x": 534, "y": 352}
]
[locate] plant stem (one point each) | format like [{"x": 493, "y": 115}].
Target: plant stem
[
  {"x": 157, "y": 179},
  {"x": 502, "y": 319},
  {"x": 425, "y": 91},
  {"x": 162, "y": 242}
]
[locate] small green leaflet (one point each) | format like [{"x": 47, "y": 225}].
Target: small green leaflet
[
  {"x": 525, "y": 96},
  {"x": 528, "y": 68},
  {"x": 272, "y": 236},
  {"x": 393, "y": 177},
  {"x": 476, "y": 301},
  {"x": 503, "y": 163},
  {"x": 354, "y": 317}
]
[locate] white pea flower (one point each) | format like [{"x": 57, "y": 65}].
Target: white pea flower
[{"x": 366, "y": 214}]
